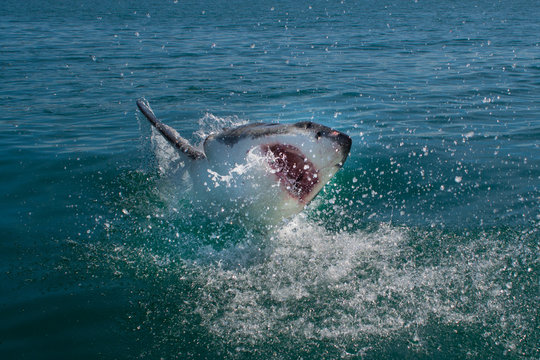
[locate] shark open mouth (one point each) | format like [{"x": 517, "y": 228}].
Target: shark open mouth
[{"x": 295, "y": 172}]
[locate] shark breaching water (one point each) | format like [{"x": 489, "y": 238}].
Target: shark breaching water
[{"x": 265, "y": 171}]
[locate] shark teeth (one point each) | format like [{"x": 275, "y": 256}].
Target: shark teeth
[{"x": 296, "y": 174}]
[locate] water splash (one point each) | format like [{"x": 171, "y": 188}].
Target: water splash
[
  {"x": 210, "y": 124},
  {"x": 382, "y": 290}
]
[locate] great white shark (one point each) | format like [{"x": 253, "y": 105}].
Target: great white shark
[{"x": 265, "y": 171}]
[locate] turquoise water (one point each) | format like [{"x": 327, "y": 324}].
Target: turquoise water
[{"x": 425, "y": 245}]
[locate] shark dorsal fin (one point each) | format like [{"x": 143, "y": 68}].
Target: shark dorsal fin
[{"x": 169, "y": 133}]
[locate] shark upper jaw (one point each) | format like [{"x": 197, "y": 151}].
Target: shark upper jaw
[{"x": 295, "y": 173}]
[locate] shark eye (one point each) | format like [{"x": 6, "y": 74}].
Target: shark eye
[{"x": 318, "y": 135}]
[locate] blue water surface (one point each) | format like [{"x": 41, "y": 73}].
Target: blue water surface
[{"x": 425, "y": 244}]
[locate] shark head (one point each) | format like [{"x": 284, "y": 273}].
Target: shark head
[{"x": 290, "y": 163}]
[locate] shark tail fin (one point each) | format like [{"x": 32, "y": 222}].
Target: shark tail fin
[{"x": 169, "y": 133}]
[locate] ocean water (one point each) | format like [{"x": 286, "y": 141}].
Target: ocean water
[{"x": 425, "y": 244}]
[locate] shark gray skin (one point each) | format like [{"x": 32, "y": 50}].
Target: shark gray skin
[{"x": 269, "y": 171}]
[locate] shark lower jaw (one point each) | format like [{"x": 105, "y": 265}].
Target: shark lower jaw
[{"x": 295, "y": 173}]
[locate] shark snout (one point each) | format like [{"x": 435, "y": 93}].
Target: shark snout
[
  {"x": 343, "y": 140},
  {"x": 342, "y": 143}
]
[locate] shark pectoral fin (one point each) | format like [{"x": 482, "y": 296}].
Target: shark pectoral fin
[{"x": 169, "y": 133}]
